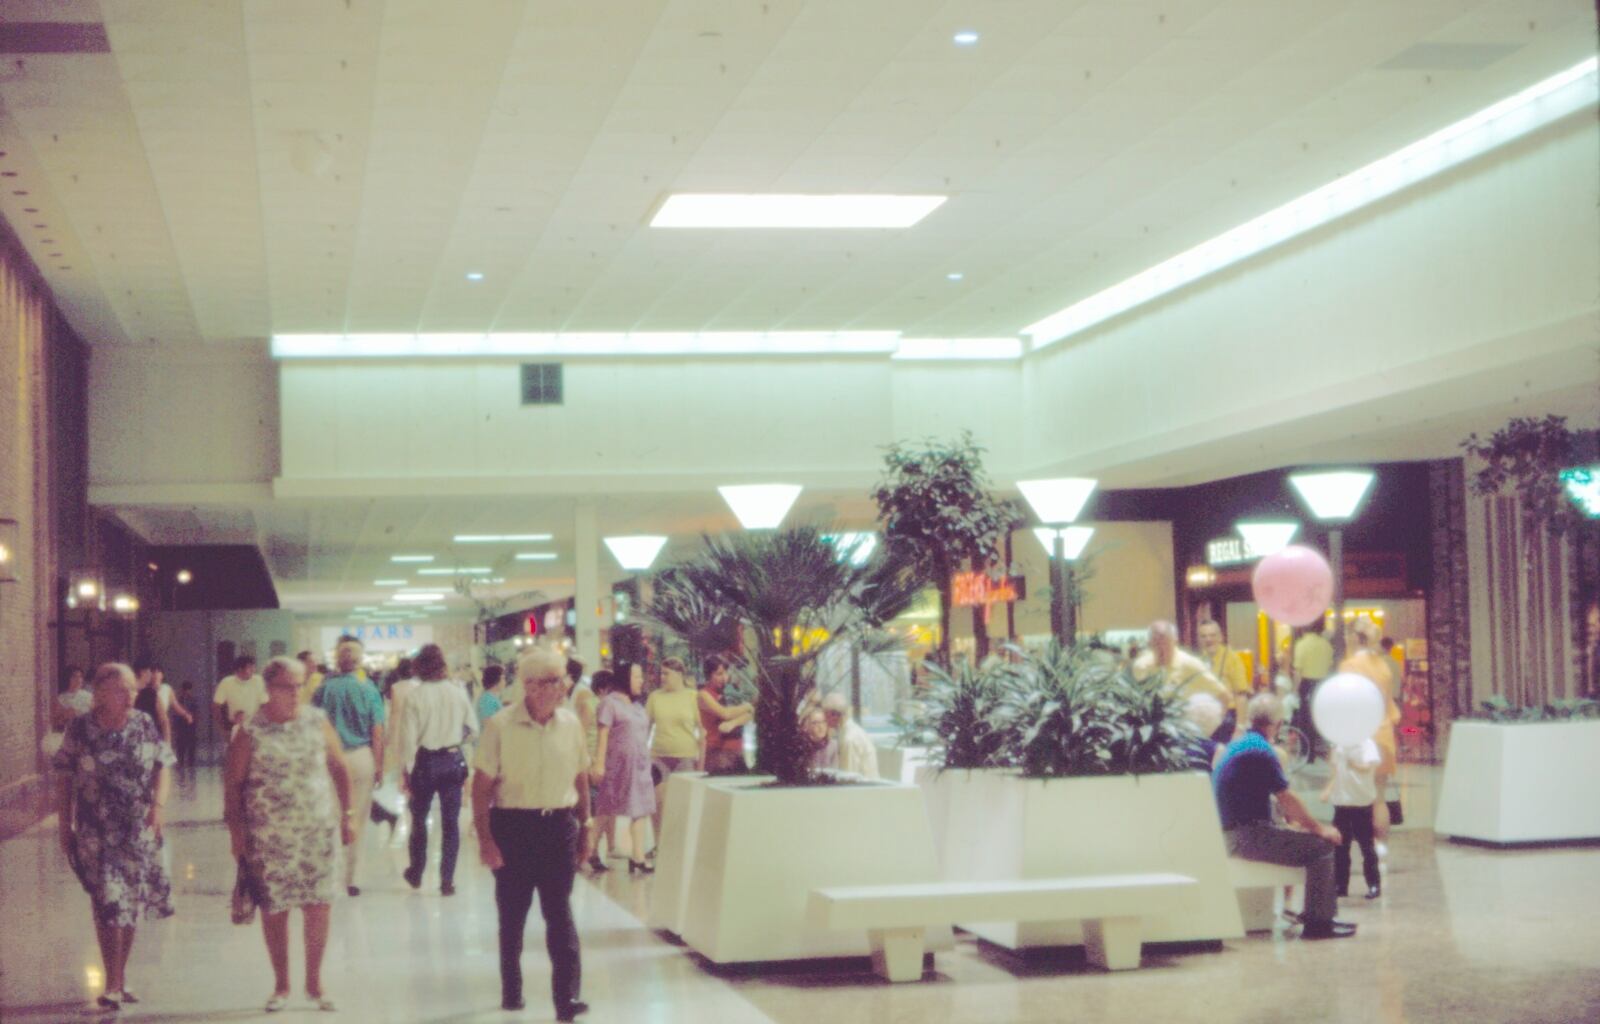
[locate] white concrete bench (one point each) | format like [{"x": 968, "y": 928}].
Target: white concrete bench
[
  {"x": 1257, "y": 884},
  {"x": 895, "y": 917}
]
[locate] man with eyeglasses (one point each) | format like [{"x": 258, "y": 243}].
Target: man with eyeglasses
[{"x": 530, "y": 804}]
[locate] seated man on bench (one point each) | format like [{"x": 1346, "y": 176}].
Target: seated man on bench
[{"x": 1248, "y": 779}]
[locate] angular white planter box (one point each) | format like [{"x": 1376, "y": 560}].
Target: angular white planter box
[
  {"x": 677, "y": 846},
  {"x": 996, "y": 825},
  {"x": 1521, "y": 783},
  {"x": 760, "y": 852}
]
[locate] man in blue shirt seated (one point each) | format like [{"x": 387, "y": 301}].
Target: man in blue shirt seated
[{"x": 1247, "y": 781}]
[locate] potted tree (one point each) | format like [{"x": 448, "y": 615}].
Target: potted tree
[
  {"x": 1086, "y": 774},
  {"x": 934, "y": 501},
  {"x": 760, "y": 846}
]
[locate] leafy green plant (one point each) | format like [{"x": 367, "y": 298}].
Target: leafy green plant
[
  {"x": 1527, "y": 457},
  {"x": 955, "y": 717},
  {"x": 790, "y": 596},
  {"x": 1498, "y": 709},
  {"x": 934, "y": 500}
]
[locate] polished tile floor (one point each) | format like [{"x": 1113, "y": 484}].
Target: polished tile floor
[{"x": 1462, "y": 934}]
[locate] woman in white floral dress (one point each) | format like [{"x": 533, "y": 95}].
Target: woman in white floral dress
[
  {"x": 285, "y": 768},
  {"x": 114, "y": 778}
]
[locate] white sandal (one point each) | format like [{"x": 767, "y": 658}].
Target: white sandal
[
  {"x": 277, "y": 1002},
  {"x": 324, "y": 1003}
]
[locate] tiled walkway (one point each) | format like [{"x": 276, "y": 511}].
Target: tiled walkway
[{"x": 1462, "y": 934}]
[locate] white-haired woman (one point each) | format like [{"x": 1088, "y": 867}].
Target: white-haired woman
[
  {"x": 1204, "y": 712},
  {"x": 114, "y": 771},
  {"x": 285, "y": 768}
]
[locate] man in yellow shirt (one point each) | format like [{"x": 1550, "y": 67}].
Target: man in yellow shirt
[
  {"x": 1184, "y": 673},
  {"x": 1313, "y": 662},
  {"x": 313, "y": 681},
  {"x": 1225, "y": 663}
]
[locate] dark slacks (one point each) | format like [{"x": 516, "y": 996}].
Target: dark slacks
[
  {"x": 440, "y": 773},
  {"x": 1302, "y": 717},
  {"x": 1354, "y": 825},
  {"x": 1265, "y": 842},
  {"x": 539, "y": 852}
]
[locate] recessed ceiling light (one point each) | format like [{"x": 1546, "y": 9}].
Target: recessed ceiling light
[
  {"x": 499, "y": 538},
  {"x": 474, "y": 275},
  {"x": 966, "y": 37},
  {"x": 411, "y": 558},
  {"x": 476, "y": 570},
  {"x": 739, "y": 210},
  {"x": 419, "y": 598},
  {"x": 537, "y": 556},
  {"x": 389, "y": 583},
  {"x": 954, "y": 275}
]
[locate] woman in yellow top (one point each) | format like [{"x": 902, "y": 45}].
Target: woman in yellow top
[{"x": 674, "y": 712}]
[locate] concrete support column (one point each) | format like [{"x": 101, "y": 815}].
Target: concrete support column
[{"x": 586, "y": 550}]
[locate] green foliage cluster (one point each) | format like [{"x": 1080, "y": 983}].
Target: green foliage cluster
[
  {"x": 1498, "y": 709},
  {"x": 767, "y": 592},
  {"x": 1071, "y": 711},
  {"x": 1527, "y": 457}
]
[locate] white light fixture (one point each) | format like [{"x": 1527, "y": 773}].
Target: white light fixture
[
  {"x": 417, "y": 598},
  {"x": 500, "y": 538},
  {"x": 760, "y": 506},
  {"x": 954, "y": 275},
  {"x": 1573, "y": 90},
  {"x": 635, "y": 554},
  {"x": 1262, "y": 538},
  {"x": 1583, "y": 485},
  {"x": 411, "y": 558},
  {"x": 365, "y": 608},
  {"x": 474, "y": 570},
  {"x": 1073, "y": 540},
  {"x": 958, "y": 348},
  {"x": 638, "y": 344},
  {"x": 737, "y": 210},
  {"x": 184, "y": 576},
  {"x": 474, "y": 275},
  {"x": 537, "y": 556},
  {"x": 1057, "y": 500},
  {"x": 389, "y": 583},
  {"x": 1335, "y": 495},
  {"x": 855, "y": 548},
  {"x": 966, "y": 37},
  {"x": 125, "y": 604}
]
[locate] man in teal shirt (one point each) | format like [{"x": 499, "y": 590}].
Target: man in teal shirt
[{"x": 355, "y": 708}]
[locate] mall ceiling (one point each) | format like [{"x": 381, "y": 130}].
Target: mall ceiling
[
  {"x": 209, "y": 172},
  {"x": 214, "y": 172}
]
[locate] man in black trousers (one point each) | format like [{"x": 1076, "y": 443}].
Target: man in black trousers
[{"x": 530, "y": 804}]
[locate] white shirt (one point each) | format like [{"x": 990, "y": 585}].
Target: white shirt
[
  {"x": 241, "y": 695},
  {"x": 856, "y": 751},
  {"x": 164, "y": 696},
  {"x": 434, "y": 716},
  {"x": 1354, "y": 784},
  {"x": 534, "y": 766}
]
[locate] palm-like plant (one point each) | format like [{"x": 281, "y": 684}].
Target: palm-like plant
[{"x": 792, "y": 595}]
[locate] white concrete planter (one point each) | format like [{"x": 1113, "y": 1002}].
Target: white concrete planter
[
  {"x": 900, "y": 764},
  {"x": 760, "y": 852},
  {"x": 997, "y": 825},
  {"x": 677, "y": 845},
  {"x": 1521, "y": 783}
]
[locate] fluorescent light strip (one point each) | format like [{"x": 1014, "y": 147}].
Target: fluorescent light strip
[
  {"x": 958, "y": 348},
  {"x": 390, "y": 583},
  {"x": 803, "y": 212},
  {"x": 1494, "y": 126},
  {"x": 644, "y": 343},
  {"x": 500, "y": 538},
  {"x": 411, "y": 558},
  {"x": 477, "y": 570},
  {"x": 417, "y": 598},
  {"x": 537, "y": 556}
]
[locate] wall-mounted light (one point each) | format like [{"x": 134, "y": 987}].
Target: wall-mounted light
[
  {"x": 185, "y": 576},
  {"x": 125, "y": 604},
  {"x": 10, "y": 549}
]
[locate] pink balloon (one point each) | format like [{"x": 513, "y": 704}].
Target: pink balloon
[{"x": 1293, "y": 585}]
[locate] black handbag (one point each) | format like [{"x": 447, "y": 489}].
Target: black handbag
[{"x": 1397, "y": 815}]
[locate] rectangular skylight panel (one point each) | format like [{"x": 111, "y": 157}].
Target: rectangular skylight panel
[{"x": 734, "y": 210}]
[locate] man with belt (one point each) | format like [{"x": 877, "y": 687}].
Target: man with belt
[
  {"x": 530, "y": 803},
  {"x": 355, "y": 708}
]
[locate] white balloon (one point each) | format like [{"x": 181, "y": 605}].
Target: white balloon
[{"x": 1347, "y": 709}]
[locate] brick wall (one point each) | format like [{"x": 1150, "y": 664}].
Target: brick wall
[{"x": 33, "y": 341}]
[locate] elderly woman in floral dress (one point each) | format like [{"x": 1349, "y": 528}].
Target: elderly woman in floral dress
[
  {"x": 285, "y": 767},
  {"x": 114, "y": 779}
]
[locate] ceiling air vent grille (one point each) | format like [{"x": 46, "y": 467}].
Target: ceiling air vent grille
[{"x": 541, "y": 383}]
